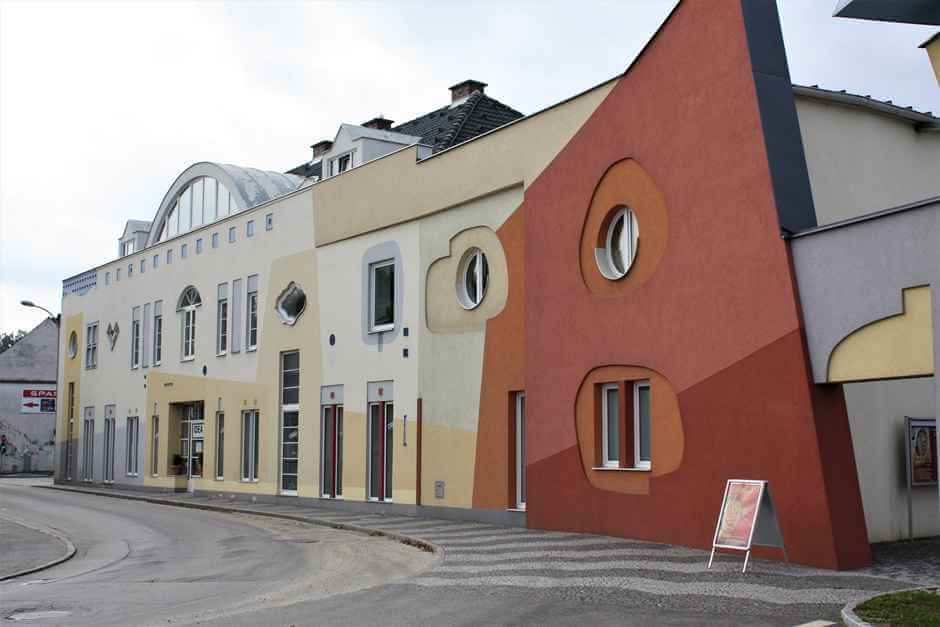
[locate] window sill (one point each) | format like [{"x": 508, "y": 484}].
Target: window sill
[
  {"x": 338, "y": 497},
  {"x": 248, "y": 481},
  {"x": 515, "y": 509},
  {"x": 155, "y": 364},
  {"x": 130, "y": 474},
  {"x": 251, "y": 349},
  {"x": 617, "y": 469},
  {"x": 186, "y": 359},
  {"x": 222, "y": 354},
  {"x": 382, "y": 329},
  {"x": 220, "y": 478}
]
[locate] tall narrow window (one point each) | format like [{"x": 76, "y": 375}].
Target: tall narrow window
[
  {"x": 70, "y": 435},
  {"x": 108, "y": 461},
  {"x": 88, "y": 445},
  {"x": 91, "y": 345},
  {"x": 610, "y": 424},
  {"x": 380, "y": 450},
  {"x": 133, "y": 424},
  {"x": 332, "y": 451},
  {"x": 155, "y": 446},
  {"x": 249, "y": 228},
  {"x": 290, "y": 421},
  {"x": 221, "y": 341},
  {"x": 250, "y": 445},
  {"x": 641, "y": 439},
  {"x": 157, "y": 332},
  {"x": 135, "y": 338},
  {"x": 188, "y": 302},
  {"x": 520, "y": 450},
  {"x": 220, "y": 445},
  {"x": 251, "y": 335},
  {"x": 382, "y": 296}
]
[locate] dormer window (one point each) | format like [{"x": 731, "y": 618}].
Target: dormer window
[
  {"x": 340, "y": 164},
  {"x": 127, "y": 248}
]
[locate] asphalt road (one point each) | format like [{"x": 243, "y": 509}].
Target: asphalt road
[{"x": 144, "y": 564}]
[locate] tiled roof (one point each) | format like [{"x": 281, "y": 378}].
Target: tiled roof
[{"x": 451, "y": 125}]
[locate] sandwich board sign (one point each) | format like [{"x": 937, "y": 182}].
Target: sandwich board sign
[{"x": 747, "y": 518}]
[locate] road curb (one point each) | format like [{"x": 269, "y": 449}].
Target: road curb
[
  {"x": 851, "y": 619},
  {"x": 49, "y": 531},
  {"x": 416, "y": 542}
]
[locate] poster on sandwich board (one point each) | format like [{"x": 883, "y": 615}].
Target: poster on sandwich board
[{"x": 747, "y": 518}]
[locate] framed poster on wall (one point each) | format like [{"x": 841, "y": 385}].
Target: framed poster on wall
[{"x": 922, "y": 451}]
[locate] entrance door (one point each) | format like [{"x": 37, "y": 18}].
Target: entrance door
[
  {"x": 192, "y": 439},
  {"x": 332, "y": 451},
  {"x": 520, "y": 450},
  {"x": 381, "y": 447},
  {"x": 290, "y": 432}
]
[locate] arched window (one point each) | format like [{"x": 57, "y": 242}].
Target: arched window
[
  {"x": 188, "y": 302},
  {"x": 203, "y": 201}
]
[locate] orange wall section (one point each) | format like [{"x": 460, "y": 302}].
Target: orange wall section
[{"x": 717, "y": 315}]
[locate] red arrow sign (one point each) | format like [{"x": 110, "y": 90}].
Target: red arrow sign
[{"x": 30, "y": 404}]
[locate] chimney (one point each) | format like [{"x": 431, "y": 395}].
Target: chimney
[
  {"x": 320, "y": 147},
  {"x": 380, "y": 123},
  {"x": 465, "y": 88}
]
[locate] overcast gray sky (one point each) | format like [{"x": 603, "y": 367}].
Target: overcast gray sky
[{"x": 103, "y": 104}]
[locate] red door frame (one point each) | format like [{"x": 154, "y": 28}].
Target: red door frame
[
  {"x": 329, "y": 413},
  {"x": 381, "y": 496}
]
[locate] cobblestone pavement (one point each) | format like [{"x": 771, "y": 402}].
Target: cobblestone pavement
[{"x": 488, "y": 559}]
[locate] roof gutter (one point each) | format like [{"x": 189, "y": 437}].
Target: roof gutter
[{"x": 923, "y": 122}]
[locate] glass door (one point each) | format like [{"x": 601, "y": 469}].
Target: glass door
[
  {"x": 290, "y": 432},
  {"x": 332, "y": 451},
  {"x": 381, "y": 421}
]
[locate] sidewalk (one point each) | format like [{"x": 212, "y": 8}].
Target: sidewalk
[
  {"x": 25, "y": 549},
  {"x": 489, "y": 558}
]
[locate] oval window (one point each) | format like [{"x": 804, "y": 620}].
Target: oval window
[
  {"x": 472, "y": 279},
  {"x": 73, "y": 345},
  {"x": 620, "y": 247}
]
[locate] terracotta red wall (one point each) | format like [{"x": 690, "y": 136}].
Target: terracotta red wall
[{"x": 718, "y": 317}]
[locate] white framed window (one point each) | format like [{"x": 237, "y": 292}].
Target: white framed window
[
  {"x": 382, "y": 296},
  {"x": 198, "y": 245},
  {"x": 620, "y": 247},
  {"x": 157, "y": 332},
  {"x": 143, "y": 265},
  {"x": 156, "y": 261},
  {"x": 231, "y": 235},
  {"x": 184, "y": 251},
  {"x": 188, "y": 303},
  {"x": 641, "y": 425},
  {"x": 290, "y": 421},
  {"x": 269, "y": 222},
  {"x": 130, "y": 270},
  {"x": 221, "y": 320},
  {"x": 215, "y": 240},
  {"x": 340, "y": 164},
  {"x": 290, "y": 303},
  {"x": 135, "y": 338},
  {"x": 127, "y": 248},
  {"x": 91, "y": 346},
  {"x": 250, "y": 445},
  {"x": 220, "y": 445},
  {"x": 472, "y": 278},
  {"x": 251, "y": 311},
  {"x": 107, "y": 278},
  {"x": 610, "y": 425},
  {"x": 133, "y": 433},
  {"x": 88, "y": 445},
  {"x": 249, "y": 228},
  {"x": 73, "y": 345},
  {"x": 169, "y": 256},
  {"x": 108, "y": 461},
  {"x": 117, "y": 274}
]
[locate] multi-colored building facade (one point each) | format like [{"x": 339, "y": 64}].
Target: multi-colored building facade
[{"x": 587, "y": 318}]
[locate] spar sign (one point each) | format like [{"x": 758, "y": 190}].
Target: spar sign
[{"x": 37, "y": 402}]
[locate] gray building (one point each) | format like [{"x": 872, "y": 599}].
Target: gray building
[{"x": 28, "y": 401}]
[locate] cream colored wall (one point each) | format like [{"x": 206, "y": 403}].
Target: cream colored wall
[
  {"x": 276, "y": 256},
  {"x": 452, "y": 345},
  {"x": 862, "y": 161},
  {"x": 70, "y": 370},
  {"x": 900, "y": 345},
  {"x": 395, "y": 188},
  {"x": 876, "y": 414},
  {"x": 353, "y": 363}
]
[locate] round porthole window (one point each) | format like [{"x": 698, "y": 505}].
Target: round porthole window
[
  {"x": 291, "y": 303},
  {"x": 620, "y": 244},
  {"x": 73, "y": 345},
  {"x": 472, "y": 278}
]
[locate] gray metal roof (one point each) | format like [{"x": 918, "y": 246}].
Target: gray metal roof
[
  {"x": 923, "y": 120},
  {"x": 907, "y": 11},
  {"x": 249, "y": 187}
]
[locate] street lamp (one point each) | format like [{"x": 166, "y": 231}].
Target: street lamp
[{"x": 29, "y": 303}]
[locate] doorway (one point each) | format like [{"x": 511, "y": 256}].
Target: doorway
[
  {"x": 332, "y": 451},
  {"x": 380, "y": 449}
]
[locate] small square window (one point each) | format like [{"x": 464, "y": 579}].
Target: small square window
[
  {"x": 215, "y": 240},
  {"x": 231, "y": 235},
  {"x": 130, "y": 270},
  {"x": 184, "y": 251},
  {"x": 143, "y": 265},
  {"x": 199, "y": 246},
  {"x": 249, "y": 228},
  {"x": 169, "y": 256},
  {"x": 269, "y": 222},
  {"x": 156, "y": 261}
]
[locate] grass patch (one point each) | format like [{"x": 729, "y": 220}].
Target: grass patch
[{"x": 917, "y": 608}]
